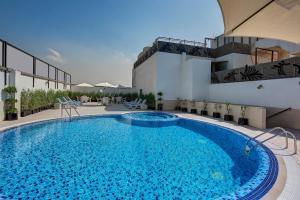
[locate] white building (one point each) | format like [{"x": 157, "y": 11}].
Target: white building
[{"x": 238, "y": 70}]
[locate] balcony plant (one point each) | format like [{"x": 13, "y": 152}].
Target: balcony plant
[
  {"x": 11, "y": 112},
  {"x": 217, "y": 114},
  {"x": 159, "y": 101},
  {"x": 204, "y": 109},
  {"x": 228, "y": 116},
  {"x": 25, "y": 100},
  {"x": 242, "y": 120}
]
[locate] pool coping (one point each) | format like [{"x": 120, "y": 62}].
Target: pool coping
[{"x": 273, "y": 192}]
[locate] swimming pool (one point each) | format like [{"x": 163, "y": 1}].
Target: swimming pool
[{"x": 116, "y": 156}]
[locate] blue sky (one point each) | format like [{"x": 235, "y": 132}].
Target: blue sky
[{"x": 98, "y": 40}]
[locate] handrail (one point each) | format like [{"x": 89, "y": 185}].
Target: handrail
[
  {"x": 70, "y": 107},
  {"x": 278, "y": 113},
  {"x": 283, "y": 131}
]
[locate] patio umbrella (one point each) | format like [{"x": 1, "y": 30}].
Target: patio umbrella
[
  {"x": 105, "y": 85},
  {"x": 84, "y": 85},
  {"x": 276, "y": 19}
]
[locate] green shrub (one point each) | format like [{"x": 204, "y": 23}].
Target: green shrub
[
  {"x": 25, "y": 100},
  {"x": 150, "y": 100}
]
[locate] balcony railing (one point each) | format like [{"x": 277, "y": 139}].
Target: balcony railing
[
  {"x": 286, "y": 68},
  {"x": 176, "y": 46},
  {"x": 192, "y": 48}
]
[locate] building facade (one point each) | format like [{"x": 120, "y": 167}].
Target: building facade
[{"x": 237, "y": 70}]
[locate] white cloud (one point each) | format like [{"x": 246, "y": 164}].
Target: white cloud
[{"x": 54, "y": 56}]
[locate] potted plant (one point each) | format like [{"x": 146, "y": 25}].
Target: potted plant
[
  {"x": 25, "y": 99},
  {"x": 178, "y": 107},
  {"x": 159, "y": 99},
  {"x": 184, "y": 106},
  {"x": 11, "y": 112},
  {"x": 216, "y": 114},
  {"x": 204, "y": 109},
  {"x": 228, "y": 116},
  {"x": 193, "y": 109},
  {"x": 242, "y": 120}
]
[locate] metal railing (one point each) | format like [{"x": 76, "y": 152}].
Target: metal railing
[
  {"x": 176, "y": 46},
  {"x": 66, "y": 107},
  {"x": 192, "y": 48},
  {"x": 33, "y": 71},
  {"x": 286, "y": 68},
  {"x": 283, "y": 132}
]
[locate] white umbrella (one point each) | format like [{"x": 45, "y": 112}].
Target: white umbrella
[
  {"x": 105, "y": 84},
  {"x": 84, "y": 85},
  {"x": 120, "y": 86},
  {"x": 276, "y": 19}
]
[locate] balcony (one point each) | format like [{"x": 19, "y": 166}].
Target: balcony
[{"x": 287, "y": 68}]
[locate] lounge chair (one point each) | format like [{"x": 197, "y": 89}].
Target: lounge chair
[
  {"x": 78, "y": 103},
  {"x": 64, "y": 103},
  {"x": 128, "y": 103},
  {"x": 138, "y": 105}
]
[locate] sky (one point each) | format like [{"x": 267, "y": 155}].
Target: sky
[{"x": 99, "y": 40}]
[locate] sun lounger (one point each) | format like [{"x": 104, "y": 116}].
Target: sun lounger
[
  {"x": 131, "y": 102},
  {"x": 78, "y": 103},
  {"x": 138, "y": 105}
]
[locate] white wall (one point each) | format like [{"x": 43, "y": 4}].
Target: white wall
[
  {"x": 201, "y": 78},
  {"x": 145, "y": 75},
  {"x": 175, "y": 75},
  {"x": 236, "y": 60},
  {"x": 168, "y": 73},
  {"x": 280, "y": 93}
]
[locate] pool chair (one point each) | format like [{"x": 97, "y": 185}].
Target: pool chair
[
  {"x": 128, "y": 103},
  {"x": 78, "y": 103},
  {"x": 70, "y": 102},
  {"x": 64, "y": 102},
  {"x": 138, "y": 105}
]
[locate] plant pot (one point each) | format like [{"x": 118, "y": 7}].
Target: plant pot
[
  {"x": 194, "y": 111},
  {"x": 228, "y": 117},
  {"x": 25, "y": 113},
  {"x": 243, "y": 121},
  {"x": 203, "y": 113},
  {"x": 184, "y": 109},
  {"x": 159, "y": 106},
  {"x": 11, "y": 116},
  {"x": 216, "y": 115},
  {"x": 151, "y": 107}
]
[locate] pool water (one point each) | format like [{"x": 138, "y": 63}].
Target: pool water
[
  {"x": 103, "y": 157},
  {"x": 150, "y": 116}
]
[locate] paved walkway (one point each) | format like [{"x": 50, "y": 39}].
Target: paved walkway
[{"x": 292, "y": 162}]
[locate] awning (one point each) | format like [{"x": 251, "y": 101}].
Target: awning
[{"x": 276, "y": 19}]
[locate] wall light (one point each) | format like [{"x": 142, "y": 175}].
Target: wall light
[{"x": 260, "y": 86}]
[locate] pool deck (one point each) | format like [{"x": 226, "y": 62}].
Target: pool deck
[{"x": 287, "y": 184}]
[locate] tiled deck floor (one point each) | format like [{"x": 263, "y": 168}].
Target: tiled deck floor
[{"x": 291, "y": 189}]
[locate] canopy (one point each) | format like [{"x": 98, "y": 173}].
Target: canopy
[
  {"x": 84, "y": 85},
  {"x": 105, "y": 84},
  {"x": 276, "y": 19}
]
